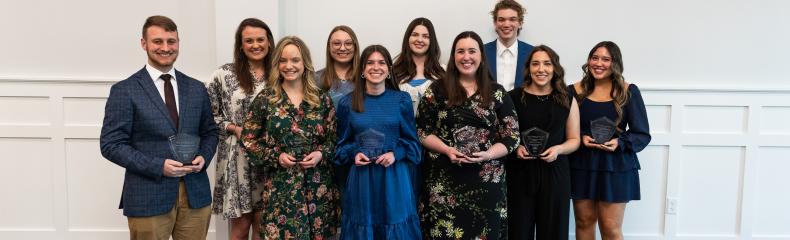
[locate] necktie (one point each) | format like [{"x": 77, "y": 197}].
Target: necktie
[{"x": 170, "y": 98}]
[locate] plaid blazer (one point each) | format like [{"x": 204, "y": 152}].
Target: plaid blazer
[{"x": 135, "y": 134}]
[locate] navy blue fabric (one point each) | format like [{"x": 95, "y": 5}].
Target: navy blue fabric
[
  {"x": 524, "y": 49},
  {"x": 605, "y": 186},
  {"x": 610, "y": 176},
  {"x": 378, "y": 201},
  {"x": 135, "y": 135}
]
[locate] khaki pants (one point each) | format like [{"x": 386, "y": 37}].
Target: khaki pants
[{"x": 182, "y": 222}]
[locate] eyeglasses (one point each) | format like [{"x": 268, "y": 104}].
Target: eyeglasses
[{"x": 339, "y": 44}]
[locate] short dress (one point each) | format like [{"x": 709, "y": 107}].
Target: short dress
[{"x": 610, "y": 176}]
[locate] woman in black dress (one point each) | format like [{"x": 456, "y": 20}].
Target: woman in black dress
[
  {"x": 538, "y": 179},
  {"x": 468, "y": 125}
]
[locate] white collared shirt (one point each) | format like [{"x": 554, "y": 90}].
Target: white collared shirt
[
  {"x": 160, "y": 84},
  {"x": 506, "y": 63}
]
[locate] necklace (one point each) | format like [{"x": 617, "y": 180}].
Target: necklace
[{"x": 542, "y": 98}]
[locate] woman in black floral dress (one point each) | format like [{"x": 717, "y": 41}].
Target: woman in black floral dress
[
  {"x": 290, "y": 133},
  {"x": 468, "y": 124}
]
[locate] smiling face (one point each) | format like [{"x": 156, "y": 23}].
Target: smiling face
[
  {"x": 342, "y": 47},
  {"x": 507, "y": 24},
  {"x": 375, "y": 69},
  {"x": 466, "y": 56},
  {"x": 600, "y": 64},
  {"x": 254, "y": 43},
  {"x": 291, "y": 64},
  {"x": 161, "y": 47},
  {"x": 419, "y": 40},
  {"x": 541, "y": 69}
]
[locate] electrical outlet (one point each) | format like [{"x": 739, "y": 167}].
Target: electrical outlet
[{"x": 672, "y": 206}]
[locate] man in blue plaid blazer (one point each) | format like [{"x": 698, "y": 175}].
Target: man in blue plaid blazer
[{"x": 161, "y": 197}]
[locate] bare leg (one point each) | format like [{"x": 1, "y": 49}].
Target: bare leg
[
  {"x": 240, "y": 227},
  {"x": 611, "y": 220},
  {"x": 585, "y": 213}
]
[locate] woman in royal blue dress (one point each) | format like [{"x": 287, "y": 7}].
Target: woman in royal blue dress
[
  {"x": 379, "y": 138},
  {"x": 605, "y": 176}
]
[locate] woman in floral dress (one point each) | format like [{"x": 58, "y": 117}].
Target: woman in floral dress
[
  {"x": 290, "y": 133},
  {"x": 237, "y": 191},
  {"x": 468, "y": 124}
]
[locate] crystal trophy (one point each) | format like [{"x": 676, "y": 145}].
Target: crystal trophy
[
  {"x": 467, "y": 140},
  {"x": 184, "y": 147},
  {"x": 534, "y": 140},
  {"x": 602, "y": 129},
  {"x": 297, "y": 146},
  {"x": 371, "y": 143}
]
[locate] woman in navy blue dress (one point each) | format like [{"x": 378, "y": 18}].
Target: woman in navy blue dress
[
  {"x": 605, "y": 176},
  {"x": 379, "y": 141}
]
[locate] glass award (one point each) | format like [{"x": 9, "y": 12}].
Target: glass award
[
  {"x": 184, "y": 147},
  {"x": 467, "y": 140},
  {"x": 297, "y": 146},
  {"x": 371, "y": 143},
  {"x": 602, "y": 129},
  {"x": 534, "y": 140}
]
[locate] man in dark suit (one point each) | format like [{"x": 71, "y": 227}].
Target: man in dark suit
[
  {"x": 506, "y": 59},
  {"x": 161, "y": 197}
]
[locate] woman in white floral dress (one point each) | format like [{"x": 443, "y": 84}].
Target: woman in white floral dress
[{"x": 236, "y": 193}]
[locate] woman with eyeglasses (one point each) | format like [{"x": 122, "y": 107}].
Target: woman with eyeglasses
[{"x": 342, "y": 63}]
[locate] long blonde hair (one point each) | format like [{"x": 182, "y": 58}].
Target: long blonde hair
[{"x": 309, "y": 88}]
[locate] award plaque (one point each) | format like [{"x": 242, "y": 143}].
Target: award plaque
[
  {"x": 467, "y": 140},
  {"x": 297, "y": 146},
  {"x": 184, "y": 147},
  {"x": 534, "y": 140},
  {"x": 602, "y": 129},
  {"x": 371, "y": 143}
]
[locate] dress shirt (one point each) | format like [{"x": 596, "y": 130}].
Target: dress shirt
[
  {"x": 506, "y": 62},
  {"x": 160, "y": 84}
]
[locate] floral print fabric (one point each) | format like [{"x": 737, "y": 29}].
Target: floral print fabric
[
  {"x": 466, "y": 201},
  {"x": 237, "y": 189},
  {"x": 297, "y": 203}
]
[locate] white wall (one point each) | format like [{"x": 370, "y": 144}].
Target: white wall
[{"x": 718, "y": 112}]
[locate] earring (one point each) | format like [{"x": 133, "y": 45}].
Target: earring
[{"x": 363, "y": 76}]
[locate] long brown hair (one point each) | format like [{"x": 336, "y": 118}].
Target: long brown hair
[
  {"x": 559, "y": 92},
  {"x": 405, "y": 68},
  {"x": 358, "y": 95},
  {"x": 449, "y": 85},
  {"x": 309, "y": 88},
  {"x": 241, "y": 63},
  {"x": 328, "y": 79},
  {"x": 619, "y": 92}
]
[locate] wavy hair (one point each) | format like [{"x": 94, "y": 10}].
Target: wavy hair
[
  {"x": 405, "y": 68},
  {"x": 309, "y": 88},
  {"x": 559, "y": 92},
  {"x": 241, "y": 63},
  {"x": 619, "y": 92}
]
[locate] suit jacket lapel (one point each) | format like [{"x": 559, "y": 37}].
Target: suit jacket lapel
[
  {"x": 144, "y": 78},
  {"x": 491, "y": 58},
  {"x": 523, "y": 53}
]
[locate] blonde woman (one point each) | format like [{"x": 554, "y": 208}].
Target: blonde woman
[{"x": 290, "y": 133}]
